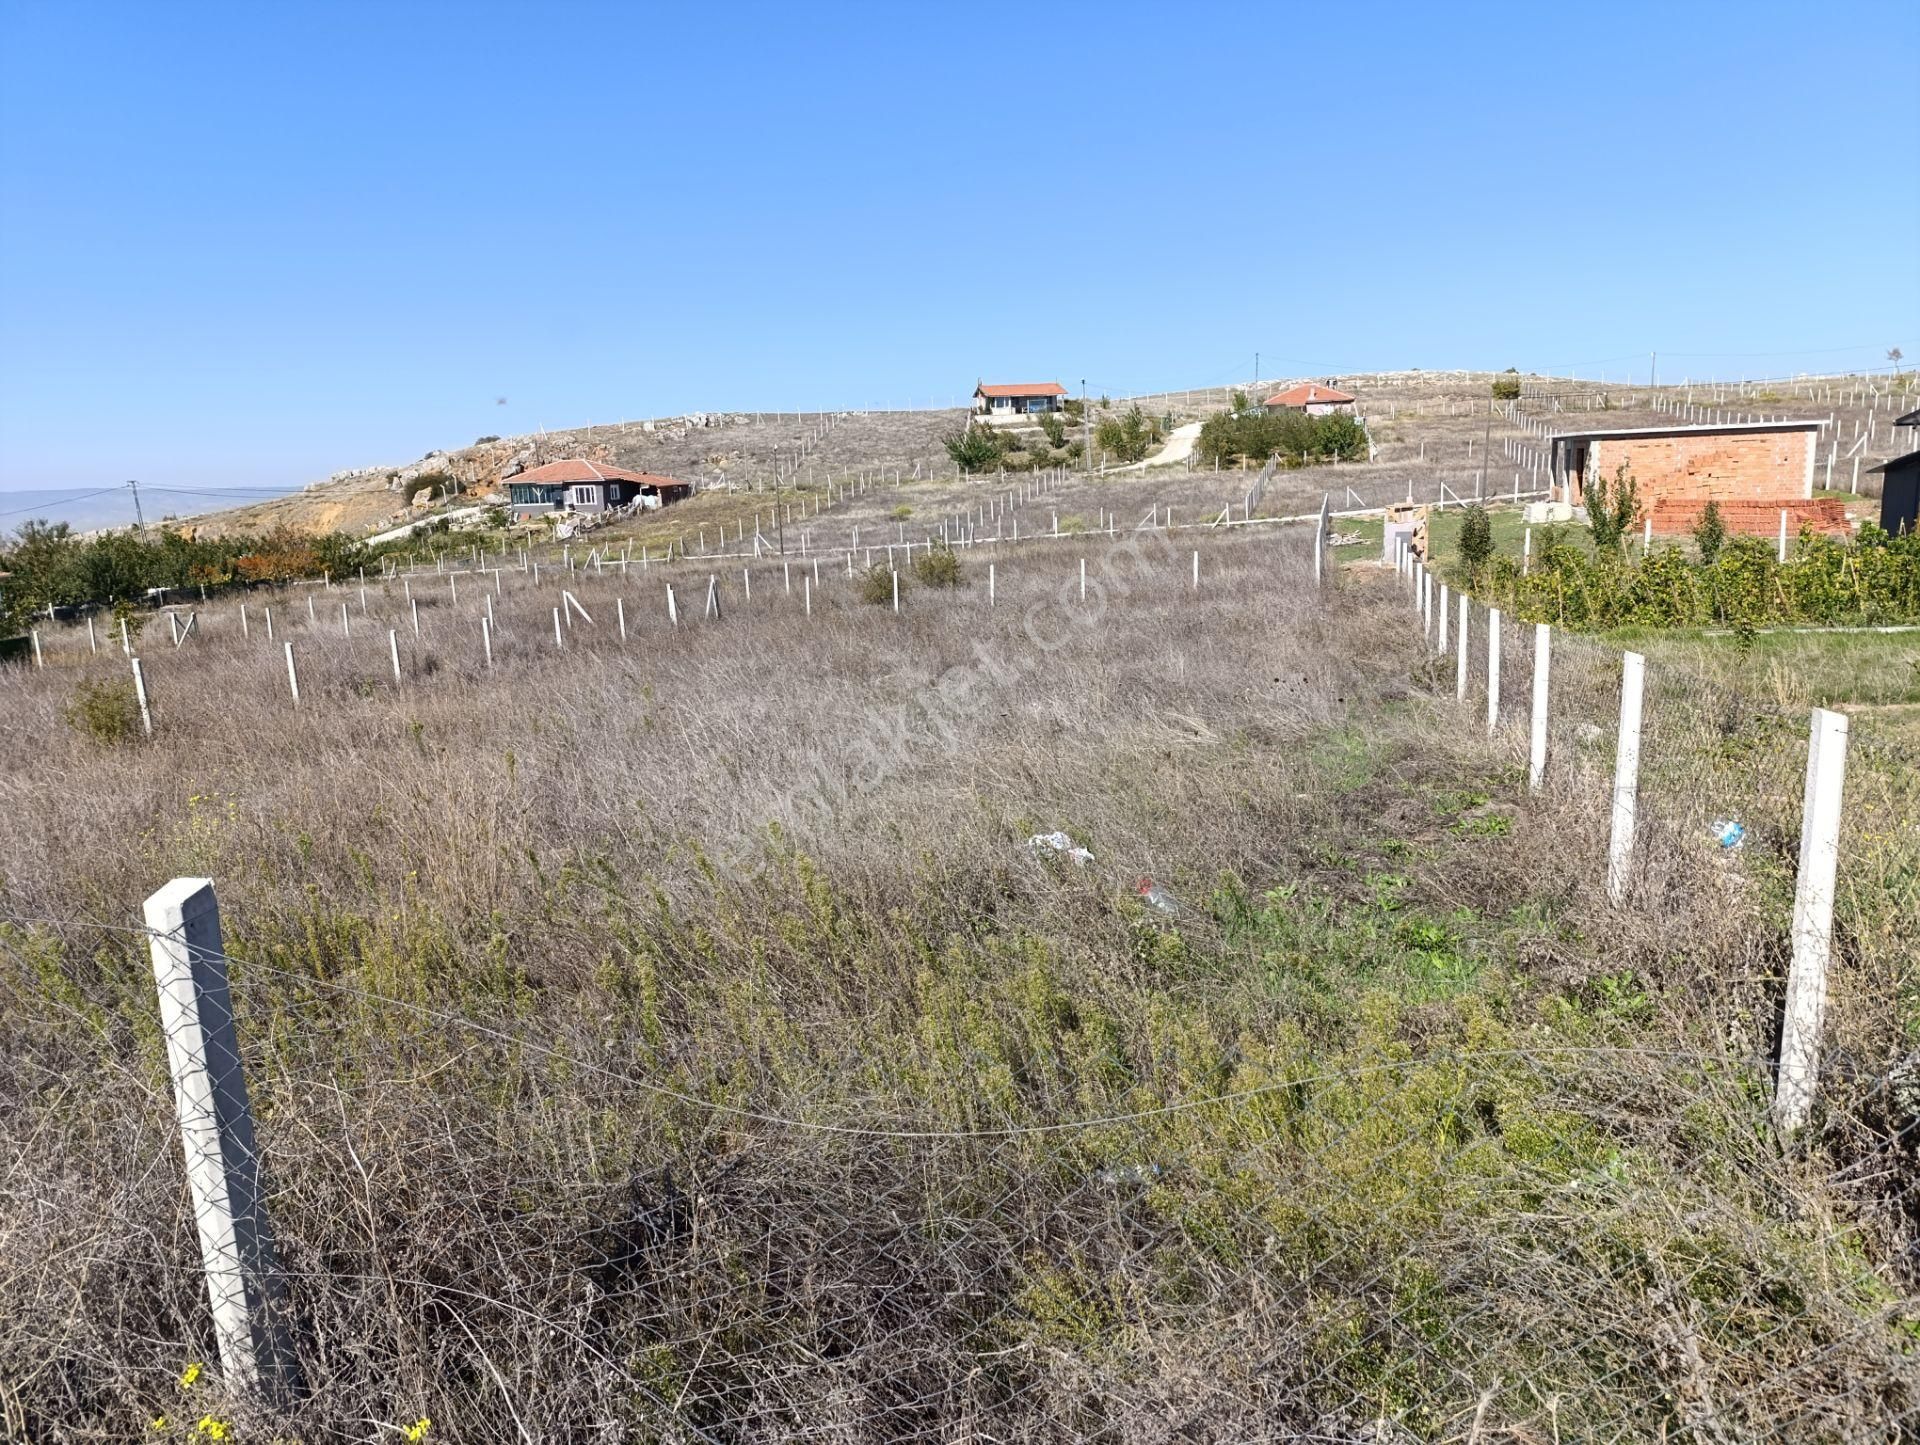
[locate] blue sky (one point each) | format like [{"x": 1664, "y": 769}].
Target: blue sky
[{"x": 259, "y": 243}]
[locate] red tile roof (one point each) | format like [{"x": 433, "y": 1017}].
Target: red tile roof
[
  {"x": 1020, "y": 388},
  {"x": 1308, "y": 393},
  {"x": 577, "y": 470}
]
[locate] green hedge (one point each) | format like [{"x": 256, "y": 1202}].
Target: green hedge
[{"x": 1872, "y": 581}]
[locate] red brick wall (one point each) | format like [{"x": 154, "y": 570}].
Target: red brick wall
[{"x": 1708, "y": 466}]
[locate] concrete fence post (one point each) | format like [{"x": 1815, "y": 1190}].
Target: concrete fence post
[
  {"x": 293, "y": 676},
  {"x": 1537, "y": 743},
  {"x": 393, "y": 651},
  {"x": 486, "y": 638},
  {"x": 1463, "y": 650},
  {"x": 140, "y": 695},
  {"x": 1440, "y": 632},
  {"x": 1626, "y": 775},
  {"x": 1493, "y": 668},
  {"x": 250, "y": 1317},
  {"x": 1812, "y": 921},
  {"x": 1783, "y": 534}
]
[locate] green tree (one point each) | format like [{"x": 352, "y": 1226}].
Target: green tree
[
  {"x": 1476, "y": 540},
  {"x": 974, "y": 449},
  {"x": 1506, "y": 386},
  {"x": 1054, "y": 427},
  {"x": 1710, "y": 533},
  {"x": 1612, "y": 509}
]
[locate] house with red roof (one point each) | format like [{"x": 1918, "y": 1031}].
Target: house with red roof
[
  {"x": 1012, "y": 401},
  {"x": 1315, "y": 398},
  {"x": 577, "y": 485}
]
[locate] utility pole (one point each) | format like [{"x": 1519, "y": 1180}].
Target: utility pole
[
  {"x": 1653, "y": 370},
  {"x": 1256, "y": 370},
  {"x": 138, "y": 520}
]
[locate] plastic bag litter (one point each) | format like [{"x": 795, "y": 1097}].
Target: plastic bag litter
[
  {"x": 1061, "y": 843},
  {"x": 1154, "y": 896},
  {"x": 1729, "y": 834}
]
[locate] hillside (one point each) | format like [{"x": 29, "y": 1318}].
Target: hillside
[{"x": 1429, "y": 428}]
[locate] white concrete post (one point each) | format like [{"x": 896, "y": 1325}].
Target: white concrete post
[
  {"x": 1783, "y": 534},
  {"x": 992, "y": 585},
  {"x": 38, "y": 659},
  {"x": 1493, "y": 668},
  {"x": 266, "y": 611},
  {"x": 896, "y": 589},
  {"x": 806, "y": 590},
  {"x": 245, "y": 631},
  {"x": 1812, "y": 921},
  {"x": 393, "y": 651},
  {"x": 620, "y": 616},
  {"x": 414, "y": 606},
  {"x": 346, "y": 628},
  {"x": 293, "y": 676},
  {"x": 559, "y": 637},
  {"x": 1083, "y": 579},
  {"x": 1626, "y": 775},
  {"x": 1441, "y": 632},
  {"x": 140, "y": 694},
  {"x": 250, "y": 1316},
  {"x": 1465, "y": 647},
  {"x": 486, "y": 638},
  {"x": 1537, "y": 747},
  {"x": 673, "y": 608}
]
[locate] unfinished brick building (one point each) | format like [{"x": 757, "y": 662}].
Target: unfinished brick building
[{"x": 1754, "y": 470}]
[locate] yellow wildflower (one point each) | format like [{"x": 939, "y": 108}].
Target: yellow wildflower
[
  {"x": 189, "y": 1375},
  {"x": 213, "y": 1429},
  {"x": 417, "y": 1431}
]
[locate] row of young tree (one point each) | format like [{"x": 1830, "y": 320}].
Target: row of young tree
[
  {"x": 48, "y": 564},
  {"x": 1296, "y": 438},
  {"x": 1872, "y": 579}
]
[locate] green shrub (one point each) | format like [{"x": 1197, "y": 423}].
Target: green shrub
[
  {"x": 901, "y": 512},
  {"x": 876, "y": 585},
  {"x": 937, "y": 567},
  {"x": 107, "y": 712},
  {"x": 1612, "y": 508},
  {"x": 1127, "y": 438},
  {"x": 1293, "y": 436},
  {"x": 974, "y": 449},
  {"x": 482, "y": 441},
  {"x": 1055, "y": 428},
  {"x": 1506, "y": 387},
  {"x": 1476, "y": 539},
  {"x": 1710, "y": 533}
]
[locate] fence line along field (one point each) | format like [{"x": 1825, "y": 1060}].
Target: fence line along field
[{"x": 1110, "y": 995}]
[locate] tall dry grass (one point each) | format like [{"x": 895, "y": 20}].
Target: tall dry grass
[{"x": 678, "y": 1038}]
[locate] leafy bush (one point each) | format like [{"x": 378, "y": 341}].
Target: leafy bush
[
  {"x": 1055, "y": 428},
  {"x": 1506, "y": 387},
  {"x": 1873, "y": 581},
  {"x": 876, "y": 585},
  {"x": 1710, "y": 533},
  {"x": 974, "y": 449},
  {"x": 1476, "y": 539},
  {"x": 1127, "y": 438},
  {"x": 107, "y": 712},
  {"x": 1293, "y": 436},
  {"x": 937, "y": 567},
  {"x": 901, "y": 512},
  {"x": 1612, "y": 509},
  {"x": 1237, "y": 402}
]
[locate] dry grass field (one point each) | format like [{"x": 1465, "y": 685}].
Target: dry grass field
[{"x": 679, "y": 1037}]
